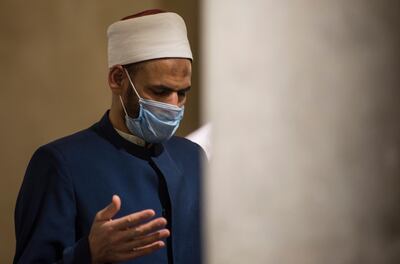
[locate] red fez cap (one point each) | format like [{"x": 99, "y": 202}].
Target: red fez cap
[{"x": 145, "y": 13}]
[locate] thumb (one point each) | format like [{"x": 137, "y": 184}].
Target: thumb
[{"x": 110, "y": 210}]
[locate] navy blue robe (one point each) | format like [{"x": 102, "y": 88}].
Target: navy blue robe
[{"x": 69, "y": 180}]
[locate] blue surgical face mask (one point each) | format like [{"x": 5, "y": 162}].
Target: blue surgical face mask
[{"x": 156, "y": 122}]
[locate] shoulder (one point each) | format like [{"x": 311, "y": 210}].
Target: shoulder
[
  {"x": 48, "y": 162},
  {"x": 182, "y": 143},
  {"x": 67, "y": 146},
  {"x": 81, "y": 141},
  {"x": 80, "y": 138},
  {"x": 182, "y": 147}
]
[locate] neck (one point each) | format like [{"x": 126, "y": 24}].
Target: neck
[{"x": 117, "y": 118}]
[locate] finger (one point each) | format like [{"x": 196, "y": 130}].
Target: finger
[
  {"x": 144, "y": 229},
  {"x": 110, "y": 210},
  {"x": 132, "y": 219},
  {"x": 145, "y": 241},
  {"x": 139, "y": 252}
]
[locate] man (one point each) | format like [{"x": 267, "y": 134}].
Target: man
[{"x": 130, "y": 157}]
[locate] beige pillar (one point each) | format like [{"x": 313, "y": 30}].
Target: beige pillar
[{"x": 305, "y": 103}]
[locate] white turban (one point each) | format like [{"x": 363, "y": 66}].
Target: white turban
[{"x": 161, "y": 35}]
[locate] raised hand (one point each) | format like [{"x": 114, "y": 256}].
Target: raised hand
[{"x": 125, "y": 238}]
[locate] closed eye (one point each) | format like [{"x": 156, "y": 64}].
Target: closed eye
[
  {"x": 161, "y": 90},
  {"x": 183, "y": 92}
]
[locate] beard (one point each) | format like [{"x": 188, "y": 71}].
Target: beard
[{"x": 131, "y": 102}]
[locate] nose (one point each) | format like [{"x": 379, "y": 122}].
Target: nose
[{"x": 174, "y": 99}]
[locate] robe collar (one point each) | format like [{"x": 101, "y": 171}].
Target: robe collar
[
  {"x": 106, "y": 130},
  {"x": 134, "y": 139}
]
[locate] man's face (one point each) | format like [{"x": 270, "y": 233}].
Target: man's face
[{"x": 163, "y": 80}]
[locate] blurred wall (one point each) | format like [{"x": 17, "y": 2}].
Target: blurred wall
[
  {"x": 304, "y": 100},
  {"x": 53, "y": 73}
]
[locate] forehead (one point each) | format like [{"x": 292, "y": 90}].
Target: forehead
[{"x": 171, "y": 67}]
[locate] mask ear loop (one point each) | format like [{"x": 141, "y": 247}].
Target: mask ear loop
[
  {"x": 133, "y": 86},
  {"x": 123, "y": 106}
]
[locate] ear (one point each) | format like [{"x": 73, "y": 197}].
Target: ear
[{"x": 116, "y": 79}]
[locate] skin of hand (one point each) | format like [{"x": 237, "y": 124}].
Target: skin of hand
[{"x": 125, "y": 238}]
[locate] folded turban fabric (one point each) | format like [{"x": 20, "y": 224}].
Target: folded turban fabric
[{"x": 154, "y": 36}]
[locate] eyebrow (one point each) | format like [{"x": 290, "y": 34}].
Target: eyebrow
[{"x": 163, "y": 87}]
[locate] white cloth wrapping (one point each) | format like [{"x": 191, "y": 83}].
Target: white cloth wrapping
[
  {"x": 202, "y": 136},
  {"x": 148, "y": 37}
]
